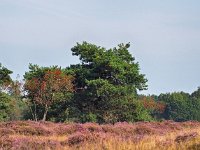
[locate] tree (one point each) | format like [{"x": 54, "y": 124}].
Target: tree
[
  {"x": 11, "y": 106},
  {"x": 106, "y": 82},
  {"x": 5, "y": 78},
  {"x": 46, "y": 85},
  {"x": 153, "y": 105},
  {"x": 6, "y": 106},
  {"x": 114, "y": 65},
  {"x": 196, "y": 94},
  {"x": 195, "y": 105},
  {"x": 5, "y": 99},
  {"x": 177, "y": 106}
]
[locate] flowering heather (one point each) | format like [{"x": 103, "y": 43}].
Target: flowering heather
[{"x": 122, "y": 135}]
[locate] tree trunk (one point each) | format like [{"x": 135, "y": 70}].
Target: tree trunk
[
  {"x": 35, "y": 112},
  {"x": 45, "y": 113}
]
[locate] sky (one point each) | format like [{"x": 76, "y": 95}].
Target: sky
[{"x": 164, "y": 36}]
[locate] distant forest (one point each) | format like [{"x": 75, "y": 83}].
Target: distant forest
[{"x": 102, "y": 88}]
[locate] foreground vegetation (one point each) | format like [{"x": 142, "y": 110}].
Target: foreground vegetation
[{"x": 88, "y": 136}]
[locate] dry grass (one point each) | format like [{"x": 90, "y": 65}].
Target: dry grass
[{"x": 167, "y": 135}]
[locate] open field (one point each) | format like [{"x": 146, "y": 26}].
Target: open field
[{"x": 90, "y": 136}]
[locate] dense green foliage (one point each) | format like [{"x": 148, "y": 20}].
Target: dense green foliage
[
  {"x": 107, "y": 82},
  {"x": 5, "y": 78},
  {"x": 179, "y": 106},
  {"x": 11, "y": 105},
  {"x": 102, "y": 88},
  {"x": 5, "y": 107}
]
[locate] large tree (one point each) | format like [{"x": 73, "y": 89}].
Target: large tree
[
  {"x": 106, "y": 83},
  {"x": 46, "y": 85}
]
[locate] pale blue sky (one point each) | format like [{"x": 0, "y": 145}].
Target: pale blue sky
[{"x": 164, "y": 35}]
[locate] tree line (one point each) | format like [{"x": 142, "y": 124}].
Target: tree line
[{"x": 102, "y": 88}]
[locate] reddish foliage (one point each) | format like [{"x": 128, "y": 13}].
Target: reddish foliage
[
  {"x": 49, "y": 88},
  {"x": 42, "y": 89},
  {"x": 153, "y": 105}
]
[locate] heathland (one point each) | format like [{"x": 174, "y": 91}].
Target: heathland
[{"x": 166, "y": 135}]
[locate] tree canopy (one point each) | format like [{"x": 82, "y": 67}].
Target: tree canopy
[
  {"x": 107, "y": 82},
  {"x": 44, "y": 86}
]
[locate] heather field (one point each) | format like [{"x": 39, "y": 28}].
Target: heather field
[{"x": 90, "y": 136}]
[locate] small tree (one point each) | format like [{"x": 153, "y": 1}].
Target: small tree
[
  {"x": 5, "y": 78},
  {"x": 44, "y": 86},
  {"x": 196, "y": 94},
  {"x": 155, "y": 107}
]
